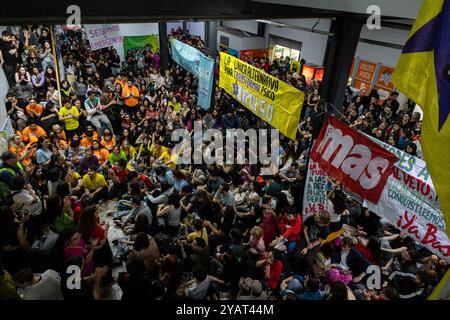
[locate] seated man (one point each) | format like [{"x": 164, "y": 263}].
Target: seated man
[
  {"x": 349, "y": 259},
  {"x": 34, "y": 109},
  {"x": 88, "y": 137},
  {"x": 46, "y": 286},
  {"x": 94, "y": 113},
  {"x": 88, "y": 160},
  {"x": 33, "y": 130},
  {"x": 94, "y": 185},
  {"x": 57, "y": 130}
]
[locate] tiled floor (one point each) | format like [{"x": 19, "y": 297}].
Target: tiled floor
[{"x": 113, "y": 233}]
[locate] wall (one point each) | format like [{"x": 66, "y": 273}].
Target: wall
[
  {"x": 399, "y": 8},
  {"x": 242, "y": 43},
  {"x": 196, "y": 29},
  {"x": 174, "y": 25},
  {"x": 313, "y": 44},
  {"x": 245, "y": 25},
  {"x": 385, "y": 55}
]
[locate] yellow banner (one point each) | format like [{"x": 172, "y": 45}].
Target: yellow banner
[{"x": 271, "y": 99}]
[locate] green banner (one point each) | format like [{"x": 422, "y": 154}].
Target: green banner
[{"x": 140, "y": 42}]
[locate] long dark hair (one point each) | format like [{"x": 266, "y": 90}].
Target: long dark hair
[{"x": 87, "y": 221}]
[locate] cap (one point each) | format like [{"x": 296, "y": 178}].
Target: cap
[{"x": 8, "y": 155}]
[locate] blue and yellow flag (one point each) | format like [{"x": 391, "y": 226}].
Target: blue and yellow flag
[{"x": 423, "y": 74}]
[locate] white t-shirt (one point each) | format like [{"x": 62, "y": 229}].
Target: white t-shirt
[
  {"x": 333, "y": 216},
  {"x": 25, "y": 202},
  {"x": 344, "y": 255}
]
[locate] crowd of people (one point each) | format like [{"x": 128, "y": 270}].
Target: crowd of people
[{"x": 190, "y": 231}]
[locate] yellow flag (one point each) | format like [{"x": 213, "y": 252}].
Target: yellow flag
[{"x": 423, "y": 74}]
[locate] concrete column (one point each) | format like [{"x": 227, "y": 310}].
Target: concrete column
[{"x": 163, "y": 49}]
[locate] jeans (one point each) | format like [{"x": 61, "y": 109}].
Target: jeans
[
  {"x": 122, "y": 250},
  {"x": 120, "y": 214},
  {"x": 295, "y": 285},
  {"x": 97, "y": 121}
]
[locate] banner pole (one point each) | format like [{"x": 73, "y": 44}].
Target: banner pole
[{"x": 55, "y": 61}]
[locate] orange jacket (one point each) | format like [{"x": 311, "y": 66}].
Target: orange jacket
[
  {"x": 102, "y": 154},
  {"x": 109, "y": 145}
]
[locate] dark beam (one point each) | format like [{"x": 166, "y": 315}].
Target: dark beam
[
  {"x": 339, "y": 56},
  {"x": 108, "y": 11}
]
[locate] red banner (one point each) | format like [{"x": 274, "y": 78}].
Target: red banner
[{"x": 357, "y": 162}]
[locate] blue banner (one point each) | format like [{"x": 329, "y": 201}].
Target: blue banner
[{"x": 198, "y": 64}]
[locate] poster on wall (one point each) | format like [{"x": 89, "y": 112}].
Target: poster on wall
[
  {"x": 365, "y": 74},
  {"x": 103, "y": 35},
  {"x": 384, "y": 85}
]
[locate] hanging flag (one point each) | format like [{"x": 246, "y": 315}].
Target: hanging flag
[{"x": 423, "y": 74}]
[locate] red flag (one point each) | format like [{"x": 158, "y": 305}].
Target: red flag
[{"x": 358, "y": 163}]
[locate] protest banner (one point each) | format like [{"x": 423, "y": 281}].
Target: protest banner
[
  {"x": 103, "y": 35},
  {"x": 357, "y": 162},
  {"x": 315, "y": 194},
  {"x": 198, "y": 64},
  {"x": 409, "y": 202},
  {"x": 141, "y": 42},
  {"x": 274, "y": 101}
]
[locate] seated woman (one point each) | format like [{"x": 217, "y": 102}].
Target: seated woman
[
  {"x": 127, "y": 149},
  {"x": 116, "y": 155},
  {"x": 76, "y": 246},
  {"x": 169, "y": 215},
  {"x": 101, "y": 153},
  {"x": 108, "y": 140},
  {"x": 95, "y": 235},
  {"x": 271, "y": 267}
]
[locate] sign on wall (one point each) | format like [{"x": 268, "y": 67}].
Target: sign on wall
[{"x": 365, "y": 74}]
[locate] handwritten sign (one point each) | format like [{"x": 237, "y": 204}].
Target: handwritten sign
[
  {"x": 315, "y": 196},
  {"x": 103, "y": 35}
]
